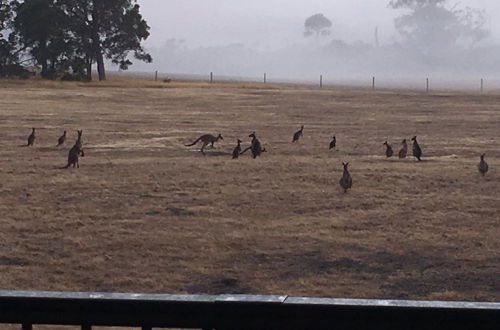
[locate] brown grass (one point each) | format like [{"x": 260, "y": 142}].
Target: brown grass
[{"x": 144, "y": 213}]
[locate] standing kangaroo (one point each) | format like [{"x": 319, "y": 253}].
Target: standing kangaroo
[
  {"x": 346, "y": 180},
  {"x": 79, "y": 141},
  {"x": 417, "y": 151},
  {"x": 483, "y": 166},
  {"x": 256, "y": 147},
  {"x": 333, "y": 143},
  {"x": 31, "y": 138},
  {"x": 73, "y": 154},
  {"x": 298, "y": 134},
  {"x": 388, "y": 151},
  {"x": 206, "y": 139},
  {"x": 404, "y": 149},
  {"x": 61, "y": 139},
  {"x": 237, "y": 150}
]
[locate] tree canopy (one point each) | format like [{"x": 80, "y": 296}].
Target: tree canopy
[
  {"x": 429, "y": 25},
  {"x": 317, "y": 25},
  {"x": 72, "y": 35}
]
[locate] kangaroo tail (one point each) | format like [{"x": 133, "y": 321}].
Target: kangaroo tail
[
  {"x": 241, "y": 153},
  {"x": 192, "y": 144}
]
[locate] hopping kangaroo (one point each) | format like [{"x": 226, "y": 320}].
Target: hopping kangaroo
[
  {"x": 206, "y": 139},
  {"x": 31, "y": 138},
  {"x": 483, "y": 166},
  {"x": 256, "y": 147},
  {"x": 417, "y": 151},
  {"x": 404, "y": 149},
  {"x": 346, "y": 180},
  {"x": 388, "y": 151},
  {"x": 333, "y": 143},
  {"x": 73, "y": 154},
  {"x": 61, "y": 139},
  {"x": 237, "y": 150},
  {"x": 298, "y": 134}
]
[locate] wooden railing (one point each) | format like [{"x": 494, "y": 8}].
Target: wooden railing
[{"x": 235, "y": 312}]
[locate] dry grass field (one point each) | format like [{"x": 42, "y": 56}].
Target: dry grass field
[{"x": 144, "y": 213}]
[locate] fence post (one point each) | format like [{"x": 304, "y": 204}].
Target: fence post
[
  {"x": 482, "y": 85},
  {"x": 321, "y": 81},
  {"x": 373, "y": 83},
  {"x": 211, "y": 77},
  {"x": 427, "y": 85},
  {"x": 156, "y": 75},
  {"x": 264, "y": 77}
]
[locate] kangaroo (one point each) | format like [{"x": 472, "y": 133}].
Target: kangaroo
[
  {"x": 417, "y": 151},
  {"x": 237, "y": 150},
  {"x": 388, "y": 151},
  {"x": 346, "y": 180},
  {"x": 73, "y": 154},
  {"x": 404, "y": 149},
  {"x": 298, "y": 134},
  {"x": 79, "y": 139},
  {"x": 333, "y": 143},
  {"x": 256, "y": 147},
  {"x": 206, "y": 139},
  {"x": 483, "y": 166},
  {"x": 61, "y": 139},
  {"x": 31, "y": 138}
]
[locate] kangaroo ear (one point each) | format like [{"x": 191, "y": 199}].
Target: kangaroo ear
[
  {"x": 343, "y": 164},
  {"x": 347, "y": 164}
]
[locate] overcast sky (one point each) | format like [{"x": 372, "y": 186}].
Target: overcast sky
[{"x": 271, "y": 24}]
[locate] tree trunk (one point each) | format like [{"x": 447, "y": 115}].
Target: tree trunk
[
  {"x": 88, "y": 64},
  {"x": 100, "y": 65},
  {"x": 96, "y": 44}
]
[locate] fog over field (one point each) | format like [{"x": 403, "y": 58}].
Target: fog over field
[{"x": 445, "y": 40}]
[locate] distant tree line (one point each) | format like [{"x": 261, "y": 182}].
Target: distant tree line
[
  {"x": 426, "y": 26},
  {"x": 65, "y": 38}
]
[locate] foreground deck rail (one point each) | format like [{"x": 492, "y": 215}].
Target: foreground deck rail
[{"x": 239, "y": 312}]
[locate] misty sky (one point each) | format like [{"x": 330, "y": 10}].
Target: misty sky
[{"x": 271, "y": 24}]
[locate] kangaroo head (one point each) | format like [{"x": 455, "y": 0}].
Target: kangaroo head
[
  {"x": 404, "y": 141},
  {"x": 345, "y": 165},
  {"x": 482, "y": 156},
  {"x": 219, "y": 137},
  {"x": 64, "y": 133},
  {"x": 385, "y": 143},
  {"x": 239, "y": 141},
  {"x": 79, "y": 133},
  {"x": 301, "y": 127},
  {"x": 252, "y": 135},
  {"x": 414, "y": 138},
  {"x": 33, "y": 129}
]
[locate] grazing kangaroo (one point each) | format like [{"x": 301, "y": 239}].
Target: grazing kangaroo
[
  {"x": 388, "y": 151},
  {"x": 333, "y": 143},
  {"x": 346, "y": 180},
  {"x": 237, "y": 150},
  {"x": 61, "y": 139},
  {"x": 404, "y": 149},
  {"x": 298, "y": 134},
  {"x": 31, "y": 138},
  {"x": 73, "y": 154},
  {"x": 417, "y": 151},
  {"x": 206, "y": 139},
  {"x": 483, "y": 166},
  {"x": 256, "y": 147}
]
